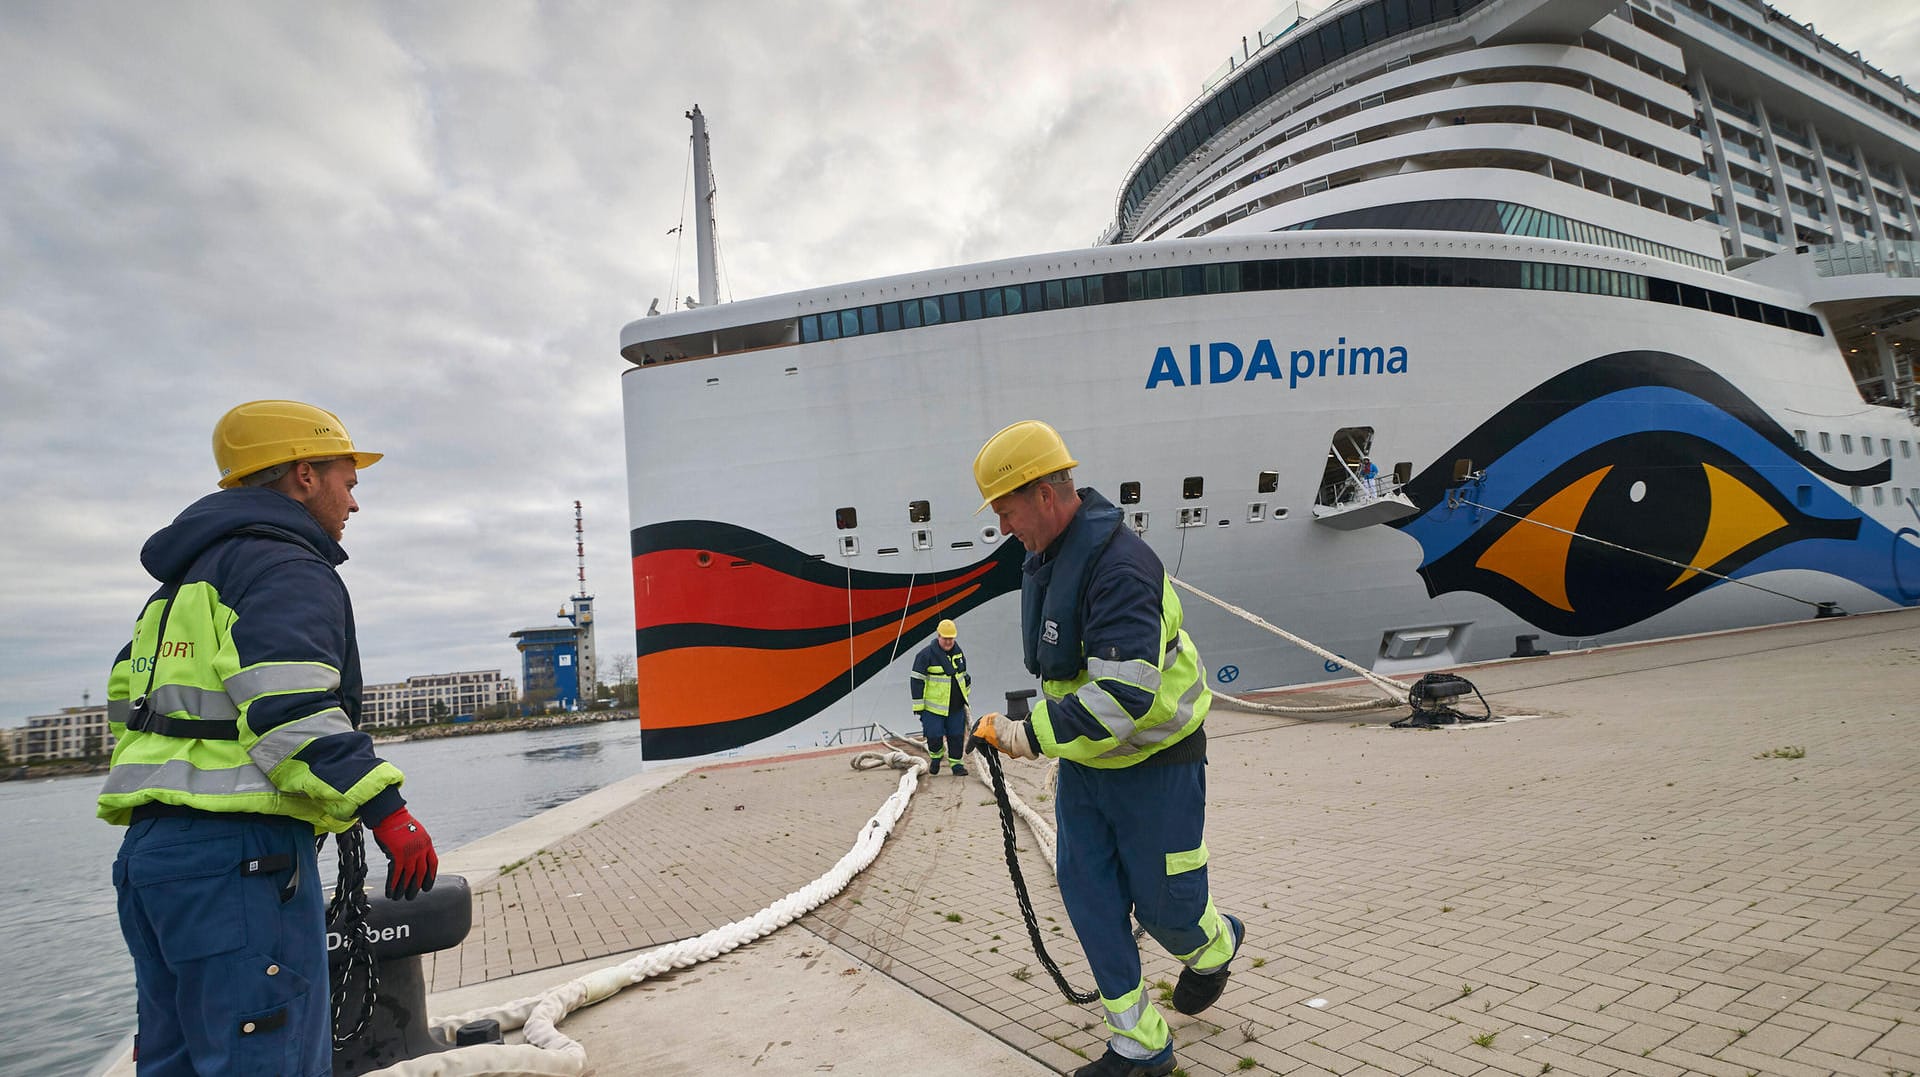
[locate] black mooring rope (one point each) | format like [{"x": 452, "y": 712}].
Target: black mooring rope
[
  {"x": 347, "y": 914},
  {"x": 1020, "y": 882}
]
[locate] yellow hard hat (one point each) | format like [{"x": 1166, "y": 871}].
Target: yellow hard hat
[
  {"x": 261, "y": 433},
  {"x": 948, "y": 630},
  {"x": 1016, "y": 456}
]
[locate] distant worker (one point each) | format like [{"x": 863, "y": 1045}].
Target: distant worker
[
  {"x": 1368, "y": 473},
  {"x": 1125, "y": 696},
  {"x": 235, "y": 711},
  {"x": 941, "y": 687}
]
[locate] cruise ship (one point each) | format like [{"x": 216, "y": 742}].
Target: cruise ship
[{"x": 1614, "y": 302}]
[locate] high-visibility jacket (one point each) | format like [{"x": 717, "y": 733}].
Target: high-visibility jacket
[
  {"x": 252, "y": 699},
  {"x": 937, "y": 676},
  {"x": 1142, "y": 688}
]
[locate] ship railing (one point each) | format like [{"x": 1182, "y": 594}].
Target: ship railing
[
  {"x": 1356, "y": 491},
  {"x": 1893, "y": 258}
]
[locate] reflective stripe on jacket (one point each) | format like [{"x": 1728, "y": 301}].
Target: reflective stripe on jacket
[
  {"x": 934, "y": 677},
  {"x": 1143, "y": 687},
  {"x": 257, "y": 683}
]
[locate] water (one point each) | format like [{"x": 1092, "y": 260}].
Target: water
[{"x": 66, "y": 996}]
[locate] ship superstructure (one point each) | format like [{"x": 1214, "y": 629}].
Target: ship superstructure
[{"x": 1616, "y": 299}]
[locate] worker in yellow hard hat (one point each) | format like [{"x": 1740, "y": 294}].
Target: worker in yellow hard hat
[
  {"x": 235, "y": 712},
  {"x": 941, "y": 686},
  {"x": 1124, "y": 700}
]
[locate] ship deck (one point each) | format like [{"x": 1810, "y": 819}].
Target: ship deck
[{"x": 1634, "y": 881}]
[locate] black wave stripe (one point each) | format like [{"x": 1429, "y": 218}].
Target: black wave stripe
[{"x": 1604, "y": 376}]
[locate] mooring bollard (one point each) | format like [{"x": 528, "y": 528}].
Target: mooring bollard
[{"x": 403, "y": 931}]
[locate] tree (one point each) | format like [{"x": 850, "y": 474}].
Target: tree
[
  {"x": 90, "y": 746},
  {"x": 438, "y": 710}
]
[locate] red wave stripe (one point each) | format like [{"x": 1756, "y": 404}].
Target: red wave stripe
[
  {"x": 697, "y": 686},
  {"x": 673, "y": 587}
]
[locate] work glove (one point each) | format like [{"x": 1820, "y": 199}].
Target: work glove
[
  {"x": 1012, "y": 736},
  {"x": 412, "y": 861}
]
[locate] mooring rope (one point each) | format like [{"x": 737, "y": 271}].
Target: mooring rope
[
  {"x": 1394, "y": 692},
  {"x": 549, "y": 1052}
]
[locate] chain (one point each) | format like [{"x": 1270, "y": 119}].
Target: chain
[
  {"x": 347, "y": 914},
  {"x": 992, "y": 757}
]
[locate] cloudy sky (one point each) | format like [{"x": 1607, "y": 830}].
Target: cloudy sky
[{"x": 435, "y": 218}]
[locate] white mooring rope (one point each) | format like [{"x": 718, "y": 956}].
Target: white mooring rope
[
  {"x": 1394, "y": 691},
  {"x": 550, "y": 1053}
]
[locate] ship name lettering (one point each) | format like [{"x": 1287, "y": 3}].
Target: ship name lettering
[{"x": 1221, "y": 362}]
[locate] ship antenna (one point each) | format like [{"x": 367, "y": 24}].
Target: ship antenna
[{"x": 703, "y": 210}]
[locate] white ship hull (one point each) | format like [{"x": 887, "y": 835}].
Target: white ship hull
[{"x": 778, "y": 440}]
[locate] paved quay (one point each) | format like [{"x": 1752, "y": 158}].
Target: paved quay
[{"x": 1698, "y": 856}]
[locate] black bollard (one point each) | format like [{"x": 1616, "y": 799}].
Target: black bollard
[
  {"x": 1017, "y": 703},
  {"x": 396, "y": 1030}
]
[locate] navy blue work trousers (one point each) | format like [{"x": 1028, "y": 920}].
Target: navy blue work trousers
[
  {"x": 229, "y": 954},
  {"x": 1117, "y": 829},
  {"x": 948, "y": 729}
]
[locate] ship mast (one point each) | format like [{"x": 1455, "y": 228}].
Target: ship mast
[{"x": 703, "y": 210}]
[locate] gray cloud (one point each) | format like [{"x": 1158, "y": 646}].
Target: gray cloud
[{"x": 434, "y": 219}]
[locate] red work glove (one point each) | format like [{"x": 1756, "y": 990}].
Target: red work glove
[{"x": 413, "y": 863}]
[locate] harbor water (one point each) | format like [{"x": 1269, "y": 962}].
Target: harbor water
[{"x": 67, "y": 997}]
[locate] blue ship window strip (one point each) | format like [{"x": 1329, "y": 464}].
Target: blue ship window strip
[{"x": 1289, "y": 274}]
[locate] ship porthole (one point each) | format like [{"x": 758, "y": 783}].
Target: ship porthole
[
  {"x": 703, "y": 559},
  {"x": 990, "y": 534}
]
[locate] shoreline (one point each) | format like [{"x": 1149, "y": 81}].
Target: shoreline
[{"x": 74, "y": 768}]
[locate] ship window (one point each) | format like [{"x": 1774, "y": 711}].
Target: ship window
[
  {"x": 1691, "y": 296},
  {"x": 1032, "y": 293},
  {"x": 930, "y": 311},
  {"x": 950, "y": 308},
  {"x": 810, "y": 329},
  {"x": 910, "y": 313},
  {"x": 1230, "y": 277},
  {"x": 1129, "y": 493},
  {"x": 919, "y": 512},
  {"x": 1396, "y": 13},
  {"x": 1748, "y": 309},
  {"x": 991, "y": 301},
  {"x": 1136, "y": 285},
  {"x": 1826, "y": 441},
  {"x": 890, "y": 317},
  {"x": 1720, "y": 302},
  {"x": 869, "y": 319},
  {"x": 1096, "y": 290},
  {"x": 1374, "y": 20},
  {"x": 1011, "y": 294},
  {"x": 1156, "y": 285},
  {"x": 849, "y": 323},
  {"x": 970, "y": 306},
  {"x": 1212, "y": 282},
  {"x": 1879, "y": 497},
  {"x": 1055, "y": 297},
  {"x": 829, "y": 327},
  {"x": 1846, "y": 443},
  {"x": 1856, "y": 495},
  {"x": 846, "y": 519},
  {"x": 1076, "y": 292},
  {"x": 1269, "y": 482},
  {"x": 1886, "y": 447},
  {"x": 1866, "y": 446},
  {"x": 1192, "y": 486},
  {"x": 1801, "y": 437}
]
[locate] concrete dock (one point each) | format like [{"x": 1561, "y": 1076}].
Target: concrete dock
[{"x": 1696, "y": 856}]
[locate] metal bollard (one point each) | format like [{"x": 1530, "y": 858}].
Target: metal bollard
[{"x": 403, "y": 931}]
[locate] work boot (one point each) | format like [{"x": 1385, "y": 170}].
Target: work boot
[
  {"x": 1113, "y": 1065},
  {"x": 960, "y": 769},
  {"x": 1198, "y": 990}
]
